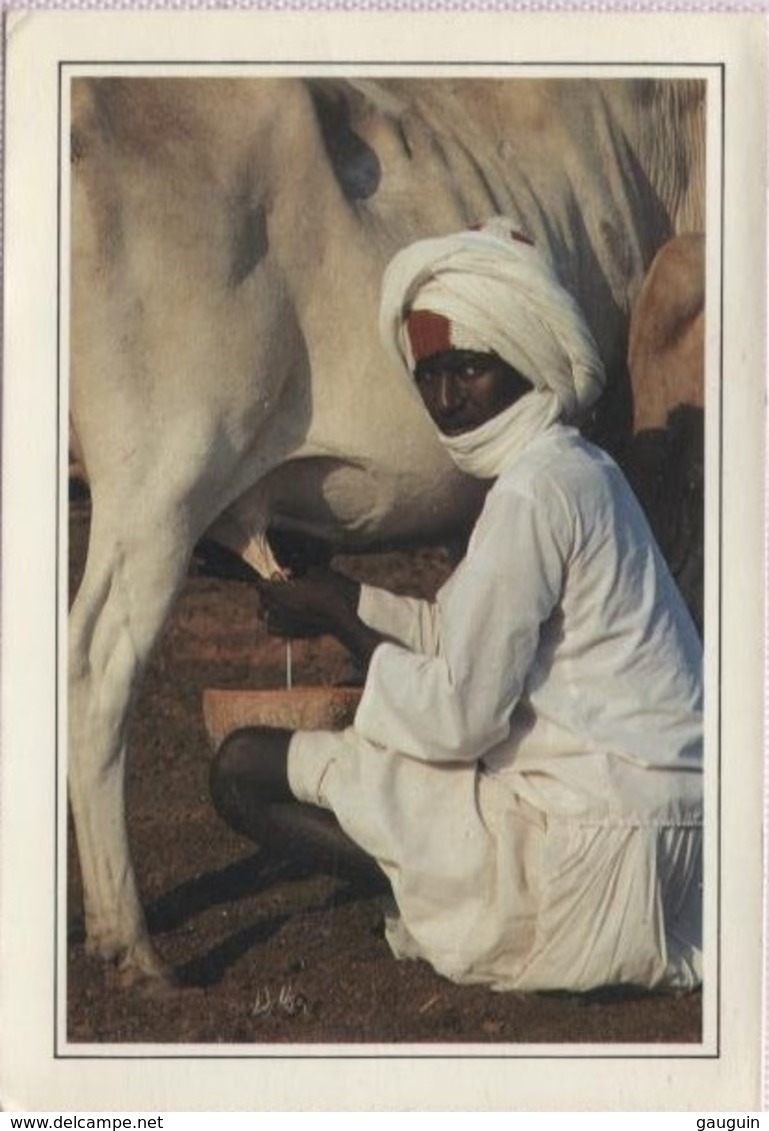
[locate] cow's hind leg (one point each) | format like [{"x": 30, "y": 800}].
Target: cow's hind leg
[{"x": 130, "y": 580}]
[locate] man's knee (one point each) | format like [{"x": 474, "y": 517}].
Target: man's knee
[
  {"x": 250, "y": 791},
  {"x": 251, "y": 765}
]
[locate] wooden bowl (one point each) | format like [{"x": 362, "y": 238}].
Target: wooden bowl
[{"x": 301, "y": 708}]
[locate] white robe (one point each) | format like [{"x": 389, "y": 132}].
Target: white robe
[{"x": 526, "y": 761}]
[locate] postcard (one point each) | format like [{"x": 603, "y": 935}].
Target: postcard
[{"x": 252, "y": 260}]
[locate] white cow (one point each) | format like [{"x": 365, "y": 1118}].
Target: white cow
[{"x": 228, "y": 242}]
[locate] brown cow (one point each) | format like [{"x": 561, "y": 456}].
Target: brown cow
[{"x": 666, "y": 359}]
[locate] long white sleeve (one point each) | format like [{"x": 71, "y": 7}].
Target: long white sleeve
[
  {"x": 410, "y": 621},
  {"x": 456, "y": 704}
]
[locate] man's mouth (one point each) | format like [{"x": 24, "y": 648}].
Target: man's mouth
[{"x": 455, "y": 428}]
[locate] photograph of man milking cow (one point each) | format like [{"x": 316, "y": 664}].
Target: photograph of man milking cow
[{"x": 386, "y": 393}]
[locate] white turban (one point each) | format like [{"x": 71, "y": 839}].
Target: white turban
[{"x": 500, "y": 296}]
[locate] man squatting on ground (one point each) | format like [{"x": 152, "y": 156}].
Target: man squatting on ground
[{"x": 525, "y": 765}]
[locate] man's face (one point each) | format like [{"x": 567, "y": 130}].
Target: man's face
[{"x": 462, "y": 390}]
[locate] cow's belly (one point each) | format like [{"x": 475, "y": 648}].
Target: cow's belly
[{"x": 357, "y": 506}]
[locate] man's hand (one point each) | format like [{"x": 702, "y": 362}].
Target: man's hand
[
  {"x": 316, "y": 603},
  {"x": 322, "y": 601},
  {"x": 279, "y": 622}
]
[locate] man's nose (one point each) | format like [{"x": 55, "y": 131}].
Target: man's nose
[{"x": 448, "y": 392}]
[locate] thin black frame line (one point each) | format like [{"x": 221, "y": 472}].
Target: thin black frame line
[
  {"x": 720, "y": 66},
  {"x": 441, "y": 64},
  {"x": 719, "y": 621},
  {"x": 462, "y": 1057},
  {"x": 57, "y": 551}
]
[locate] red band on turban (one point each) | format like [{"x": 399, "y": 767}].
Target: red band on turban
[{"x": 428, "y": 333}]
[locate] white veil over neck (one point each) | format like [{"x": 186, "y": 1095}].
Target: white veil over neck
[{"x": 487, "y": 451}]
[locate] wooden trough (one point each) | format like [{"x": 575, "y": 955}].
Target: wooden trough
[{"x": 298, "y": 708}]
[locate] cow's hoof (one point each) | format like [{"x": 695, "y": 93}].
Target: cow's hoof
[
  {"x": 159, "y": 984},
  {"x": 133, "y": 967},
  {"x": 143, "y": 964},
  {"x": 140, "y": 968}
]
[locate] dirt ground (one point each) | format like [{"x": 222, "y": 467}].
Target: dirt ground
[{"x": 266, "y": 954}]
